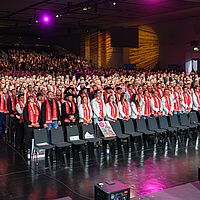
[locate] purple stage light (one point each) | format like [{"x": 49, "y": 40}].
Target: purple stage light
[{"x": 46, "y": 19}]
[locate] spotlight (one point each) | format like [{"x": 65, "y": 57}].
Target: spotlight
[
  {"x": 85, "y": 8},
  {"x": 114, "y": 3},
  {"x": 36, "y": 21},
  {"x": 46, "y": 19},
  {"x": 57, "y": 16}
]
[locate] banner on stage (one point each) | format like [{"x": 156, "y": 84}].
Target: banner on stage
[{"x": 106, "y": 129}]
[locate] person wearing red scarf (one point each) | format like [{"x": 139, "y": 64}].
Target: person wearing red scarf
[
  {"x": 98, "y": 107},
  {"x": 167, "y": 102},
  {"x": 156, "y": 104},
  {"x": 145, "y": 104},
  {"x": 85, "y": 111},
  {"x": 20, "y": 122},
  {"x": 135, "y": 108},
  {"x": 112, "y": 112},
  {"x": 129, "y": 92},
  {"x": 176, "y": 96},
  {"x": 186, "y": 100},
  {"x": 124, "y": 108},
  {"x": 50, "y": 114},
  {"x": 12, "y": 101},
  {"x": 69, "y": 111},
  {"x": 2, "y": 109},
  {"x": 196, "y": 99},
  {"x": 31, "y": 117}
]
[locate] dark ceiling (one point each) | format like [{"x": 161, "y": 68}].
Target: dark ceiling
[{"x": 99, "y": 13}]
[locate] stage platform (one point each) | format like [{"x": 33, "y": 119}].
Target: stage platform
[{"x": 164, "y": 173}]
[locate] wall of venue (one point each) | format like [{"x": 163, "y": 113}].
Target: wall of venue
[
  {"x": 96, "y": 46},
  {"x": 175, "y": 41}
]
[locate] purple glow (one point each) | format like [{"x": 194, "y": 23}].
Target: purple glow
[{"x": 46, "y": 19}]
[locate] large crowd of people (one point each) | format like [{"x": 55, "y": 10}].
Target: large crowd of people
[{"x": 36, "y": 99}]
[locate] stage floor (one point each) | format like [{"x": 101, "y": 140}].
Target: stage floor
[{"x": 146, "y": 172}]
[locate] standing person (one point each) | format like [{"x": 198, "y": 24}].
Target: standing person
[
  {"x": 20, "y": 122},
  {"x": 98, "y": 107},
  {"x": 186, "y": 100},
  {"x": 2, "y": 110},
  {"x": 145, "y": 104},
  {"x": 196, "y": 99},
  {"x": 50, "y": 114},
  {"x": 156, "y": 105},
  {"x": 31, "y": 116},
  {"x": 85, "y": 111},
  {"x": 167, "y": 102},
  {"x": 135, "y": 108},
  {"x": 124, "y": 108},
  {"x": 177, "y": 100},
  {"x": 112, "y": 111},
  {"x": 12, "y": 101},
  {"x": 69, "y": 111}
]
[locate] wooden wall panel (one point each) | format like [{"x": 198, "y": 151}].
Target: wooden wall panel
[
  {"x": 87, "y": 46},
  {"x": 94, "y": 47},
  {"x": 146, "y": 56}
]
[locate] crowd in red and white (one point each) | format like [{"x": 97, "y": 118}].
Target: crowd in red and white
[{"x": 30, "y": 100}]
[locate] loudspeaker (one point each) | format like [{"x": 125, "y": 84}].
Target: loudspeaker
[{"x": 112, "y": 190}]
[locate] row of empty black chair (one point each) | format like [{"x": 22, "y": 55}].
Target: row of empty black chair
[{"x": 162, "y": 127}]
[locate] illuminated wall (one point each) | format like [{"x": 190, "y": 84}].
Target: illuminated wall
[
  {"x": 98, "y": 49},
  {"x": 146, "y": 56}
]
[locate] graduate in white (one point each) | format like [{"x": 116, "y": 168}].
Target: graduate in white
[
  {"x": 85, "y": 111},
  {"x": 124, "y": 108},
  {"x": 167, "y": 102},
  {"x": 196, "y": 99},
  {"x": 186, "y": 100},
  {"x": 135, "y": 108},
  {"x": 98, "y": 107},
  {"x": 156, "y": 104},
  {"x": 112, "y": 111}
]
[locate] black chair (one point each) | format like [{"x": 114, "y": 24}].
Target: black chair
[
  {"x": 174, "y": 122},
  {"x": 118, "y": 131},
  {"x": 73, "y": 136},
  {"x": 184, "y": 120},
  {"x": 89, "y": 129},
  {"x": 129, "y": 129},
  {"x": 194, "y": 118},
  {"x": 57, "y": 138},
  {"x": 163, "y": 124},
  {"x": 41, "y": 141},
  {"x": 142, "y": 127},
  {"x": 153, "y": 126}
]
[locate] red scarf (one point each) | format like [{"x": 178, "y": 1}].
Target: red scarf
[
  {"x": 125, "y": 108},
  {"x": 13, "y": 102},
  {"x": 22, "y": 108},
  {"x": 2, "y": 104},
  {"x": 198, "y": 99},
  {"x": 49, "y": 115},
  {"x": 157, "y": 104},
  {"x": 187, "y": 99},
  {"x": 6, "y": 105},
  {"x": 87, "y": 113},
  {"x": 147, "y": 108},
  {"x": 130, "y": 93},
  {"x": 67, "y": 107},
  {"x": 33, "y": 113},
  {"x": 177, "y": 103},
  {"x": 100, "y": 102},
  {"x": 113, "y": 108},
  {"x": 168, "y": 103}
]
